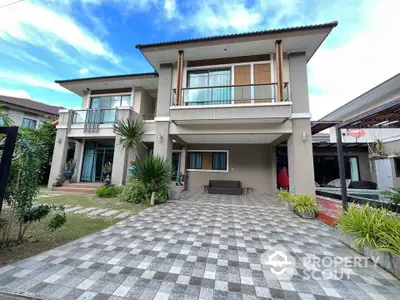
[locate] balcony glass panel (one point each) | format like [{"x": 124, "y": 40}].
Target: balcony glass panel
[
  {"x": 79, "y": 117},
  {"x": 107, "y": 116},
  {"x": 94, "y": 116},
  {"x": 232, "y": 94}
]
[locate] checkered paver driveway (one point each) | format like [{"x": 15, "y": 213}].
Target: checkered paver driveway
[{"x": 201, "y": 247}]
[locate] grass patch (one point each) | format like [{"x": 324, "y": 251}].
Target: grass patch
[
  {"x": 40, "y": 238},
  {"x": 90, "y": 201}
]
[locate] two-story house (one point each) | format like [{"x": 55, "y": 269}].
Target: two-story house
[
  {"x": 26, "y": 112},
  {"x": 215, "y": 106}
]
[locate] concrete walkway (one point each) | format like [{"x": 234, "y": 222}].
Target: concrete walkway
[
  {"x": 203, "y": 247},
  {"x": 95, "y": 212}
]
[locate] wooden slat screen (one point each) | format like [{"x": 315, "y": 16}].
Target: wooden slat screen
[
  {"x": 262, "y": 74},
  {"x": 242, "y": 76}
]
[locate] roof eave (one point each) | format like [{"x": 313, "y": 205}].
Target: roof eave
[
  {"x": 329, "y": 26},
  {"x": 88, "y": 79}
]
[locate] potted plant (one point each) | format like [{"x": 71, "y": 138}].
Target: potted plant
[
  {"x": 69, "y": 168},
  {"x": 107, "y": 168},
  {"x": 286, "y": 197},
  {"x": 305, "y": 206}
]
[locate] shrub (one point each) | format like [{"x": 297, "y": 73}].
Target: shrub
[
  {"x": 154, "y": 172},
  {"x": 373, "y": 227},
  {"x": 108, "y": 191},
  {"x": 303, "y": 203},
  {"x": 283, "y": 195},
  {"x": 135, "y": 192}
]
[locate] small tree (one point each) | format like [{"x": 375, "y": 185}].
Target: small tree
[
  {"x": 156, "y": 171},
  {"x": 23, "y": 187}
]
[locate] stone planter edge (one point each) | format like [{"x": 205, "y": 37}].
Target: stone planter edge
[{"x": 385, "y": 260}]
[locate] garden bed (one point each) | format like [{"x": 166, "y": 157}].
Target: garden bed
[
  {"x": 386, "y": 260},
  {"x": 39, "y": 238}
]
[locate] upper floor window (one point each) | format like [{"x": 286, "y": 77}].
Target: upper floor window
[
  {"x": 237, "y": 84},
  {"x": 103, "y": 102},
  {"x": 29, "y": 123}
]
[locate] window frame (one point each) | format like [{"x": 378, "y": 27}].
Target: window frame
[
  {"x": 110, "y": 96},
  {"x": 210, "y": 170},
  {"x": 199, "y": 152},
  {"x": 232, "y": 66},
  {"x": 30, "y": 121}
]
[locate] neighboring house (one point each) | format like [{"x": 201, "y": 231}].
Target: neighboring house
[
  {"x": 385, "y": 172},
  {"x": 217, "y": 107},
  {"x": 27, "y": 113}
]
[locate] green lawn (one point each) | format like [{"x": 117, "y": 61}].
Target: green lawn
[
  {"x": 91, "y": 201},
  {"x": 39, "y": 238}
]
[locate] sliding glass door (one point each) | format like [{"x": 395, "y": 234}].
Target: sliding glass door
[
  {"x": 97, "y": 157},
  {"x": 204, "y": 87}
]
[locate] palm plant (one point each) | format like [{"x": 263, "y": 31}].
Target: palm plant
[
  {"x": 153, "y": 170},
  {"x": 130, "y": 132}
]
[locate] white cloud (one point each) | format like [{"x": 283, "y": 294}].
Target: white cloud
[
  {"x": 15, "y": 93},
  {"x": 237, "y": 16},
  {"x": 340, "y": 74},
  {"x": 31, "y": 80},
  {"x": 37, "y": 24},
  {"x": 83, "y": 71},
  {"x": 170, "y": 9},
  {"x": 22, "y": 55}
]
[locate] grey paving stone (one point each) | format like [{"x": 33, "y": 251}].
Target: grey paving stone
[{"x": 200, "y": 247}]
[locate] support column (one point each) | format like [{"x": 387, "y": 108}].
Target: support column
[
  {"x": 342, "y": 172},
  {"x": 300, "y": 152},
  {"x": 272, "y": 154},
  {"x": 163, "y": 140},
  {"x": 300, "y": 158},
  {"x": 180, "y": 65},
  {"x": 183, "y": 160},
  {"x": 59, "y": 155},
  {"x": 279, "y": 70},
  {"x": 119, "y": 166},
  {"x": 78, "y": 161}
]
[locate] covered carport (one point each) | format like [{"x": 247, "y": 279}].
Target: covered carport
[{"x": 383, "y": 116}]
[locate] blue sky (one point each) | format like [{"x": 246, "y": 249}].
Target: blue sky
[{"x": 41, "y": 41}]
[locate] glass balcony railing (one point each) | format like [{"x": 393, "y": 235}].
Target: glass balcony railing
[
  {"x": 92, "y": 118},
  {"x": 102, "y": 116},
  {"x": 231, "y": 94}
]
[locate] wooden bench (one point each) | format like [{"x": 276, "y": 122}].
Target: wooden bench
[{"x": 224, "y": 187}]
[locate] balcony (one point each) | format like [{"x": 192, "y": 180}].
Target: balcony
[
  {"x": 92, "y": 118},
  {"x": 231, "y": 94},
  {"x": 252, "y": 103},
  {"x": 93, "y": 122}
]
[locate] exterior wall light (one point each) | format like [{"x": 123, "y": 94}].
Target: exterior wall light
[
  {"x": 304, "y": 136},
  {"x": 160, "y": 136}
]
